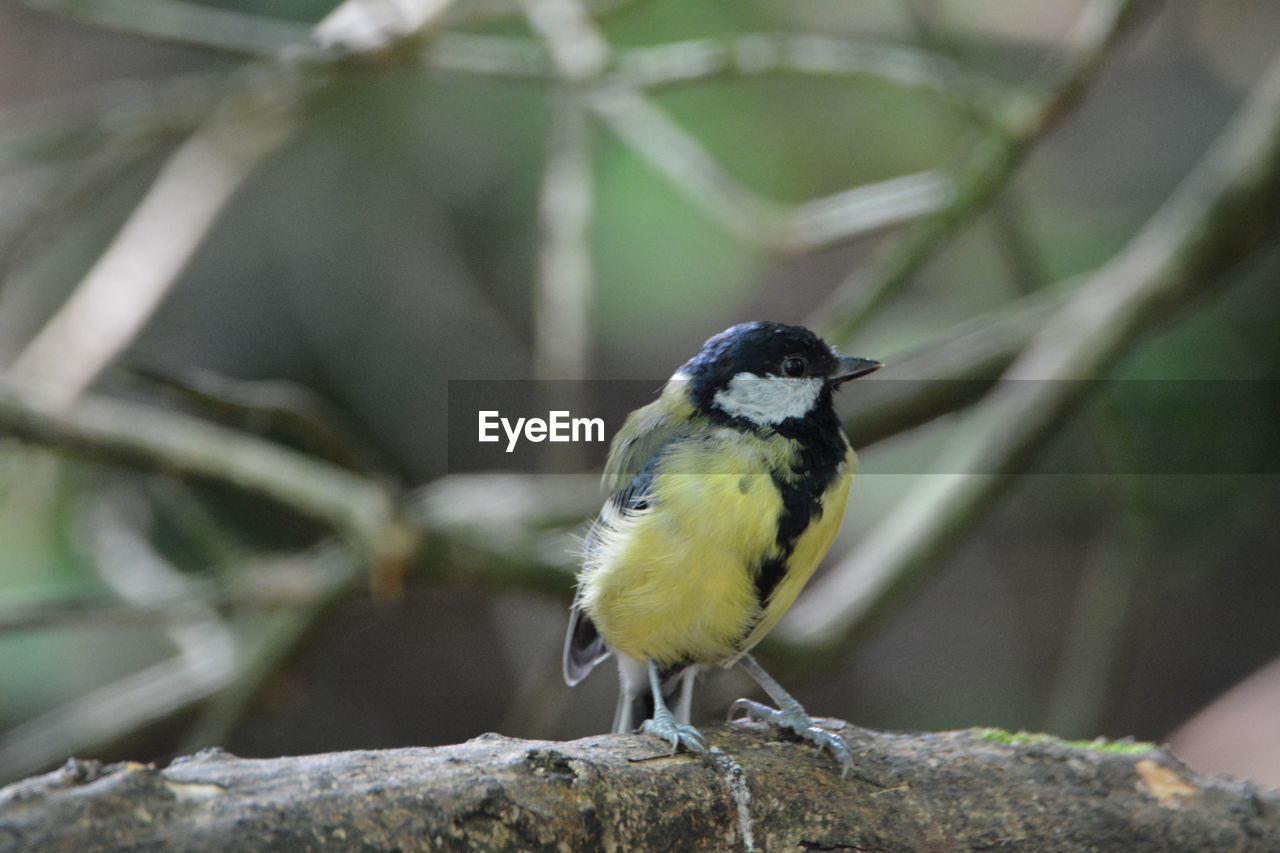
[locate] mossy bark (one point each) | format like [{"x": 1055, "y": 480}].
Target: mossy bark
[{"x": 908, "y": 792}]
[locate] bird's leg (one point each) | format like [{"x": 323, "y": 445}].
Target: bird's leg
[
  {"x": 789, "y": 715},
  {"x": 664, "y": 723}
]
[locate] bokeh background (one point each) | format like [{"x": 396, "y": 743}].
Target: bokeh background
[{"x": 587, "y": 191}]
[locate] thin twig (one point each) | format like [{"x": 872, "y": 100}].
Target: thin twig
[
  {"x": 149, "y": 437},
  {"x": 563, "y": 291},
  {"x": 838, "y": 218},
  {"x": 1100, "y": 615},
  {"x": 331, "y": 573},
  {"x": 805, "y": 227},
  {"x": 745, "y": 55},
  {"x": 1109, "y": 578},
  {"x": 581, "y": 54},
  {"x": 373, "y": 26},
  {"x": 482, "y": 11},
  {"x": 236, "y": 31},
  {"x": 950, "y": 374},
  {"x": 562, "y": 295},
  {"x": 1007, "y": 215},
  {"x": 810, "y": 54},
  {"x": 96, "y": 720},
  {"x": 261, "y": 405},
  {"x": 503, "y": 531},
  {"x": 692, "y": 170},
  {"x": 181, "y": 21},
  {"x": 1211, "y": 222},
  {"x": 985, "y": 171},
  {"x": 206, "y": 658},
  {"x": 489, "y": 56},
  {"x": 27, "y": 614},
  {"x": 126, "y": 285},
  {"x": 64, "y": 127},
  {"x": 518, "y": 538},
  {"x": 244, "y": 582}
]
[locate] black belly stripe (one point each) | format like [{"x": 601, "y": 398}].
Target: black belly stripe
[
  {"x": 768, "y": 576},
  {"x": 800, "y": 508},
  {"x": 814, "y": 468}
]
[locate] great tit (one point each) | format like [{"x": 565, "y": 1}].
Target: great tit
[{"x": 724, "y": 495}]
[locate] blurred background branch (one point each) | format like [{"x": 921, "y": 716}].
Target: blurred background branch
[
  {"x": 1210, "y": 223},
  {"x": 161, "y": 440},
  {"x": 124, "y": 288},
  {"x": 988, "y": 168},
  {"x": 205, "y": 661},
  {"x": 207, "y": 26}
]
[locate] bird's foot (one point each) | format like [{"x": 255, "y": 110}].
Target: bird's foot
[
  {"x": 798, "y": 723},
  {"x": 664, "y": 725}
]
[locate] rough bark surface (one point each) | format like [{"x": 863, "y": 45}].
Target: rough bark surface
[{"x": 933, "y": 792}]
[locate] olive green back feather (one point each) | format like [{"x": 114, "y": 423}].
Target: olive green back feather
[{"x": 645, "y": 431}]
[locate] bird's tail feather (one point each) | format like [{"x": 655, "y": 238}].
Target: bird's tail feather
[{"x": 583, "y": 647}]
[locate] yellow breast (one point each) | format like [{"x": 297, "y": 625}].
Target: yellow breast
[{"x": 674, "y": 582}]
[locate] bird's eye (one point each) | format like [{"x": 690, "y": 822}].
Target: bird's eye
[{"x": 794, "y": 365}]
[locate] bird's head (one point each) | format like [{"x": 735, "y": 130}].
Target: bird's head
[{"x": 767, "y": 373}]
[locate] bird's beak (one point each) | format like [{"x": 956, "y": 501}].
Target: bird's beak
[{"x": 851, "y": 367}]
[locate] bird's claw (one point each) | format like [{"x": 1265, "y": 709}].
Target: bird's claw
[
  {"x": 665, "y": 726},
  {"x": 801, "y": 725}
]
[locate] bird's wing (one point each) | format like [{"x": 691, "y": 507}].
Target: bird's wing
[
  {"x": 628, "y": 475},
  {"x": 583, "y": 645},
  {"x": 646, "y": 431}
]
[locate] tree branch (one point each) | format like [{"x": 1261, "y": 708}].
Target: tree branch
[
  {"x": 759, "y": 54},
  {"x": 206, "y": 660},
  {"x": 562, "y": 295},
  {"x": 978, "y": 789},
  {"x": 126, "y": 285},
  {"x": 1217, "y": 217},
  {"x": 951, "y": 373},
  {"x": 457, "y": 522},
  {"x": 130, "y": 279},
  {"x": 183, "y": 21},
  {"x": 581, "y": 54},
  {"x": 985, "y": 172},
  {"x": 151, "y": 438}
]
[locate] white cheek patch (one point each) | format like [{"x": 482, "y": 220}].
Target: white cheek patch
[{"x": 768, "y": 399}]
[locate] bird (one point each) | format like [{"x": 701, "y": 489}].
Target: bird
[{"x": 725, "y": 493}]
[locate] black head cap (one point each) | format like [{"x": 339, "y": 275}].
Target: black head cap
[{"x": 762, "y": 348}]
